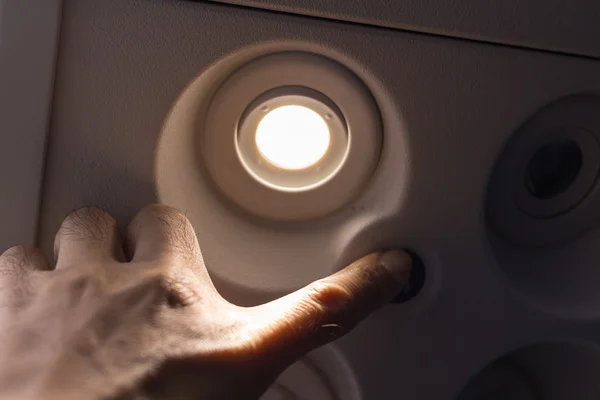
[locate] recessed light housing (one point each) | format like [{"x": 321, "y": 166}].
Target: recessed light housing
[{"x": 291, "y": 136}]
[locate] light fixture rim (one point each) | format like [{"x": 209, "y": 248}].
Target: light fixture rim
[
  {"x": 292, "y": 180},
  {"x": 291, "y": 68}
]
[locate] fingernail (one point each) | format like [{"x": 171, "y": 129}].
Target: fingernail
[{"x": 398, "y": 263}]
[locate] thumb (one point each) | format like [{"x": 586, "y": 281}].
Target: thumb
[{"x": 329, "y": 308}]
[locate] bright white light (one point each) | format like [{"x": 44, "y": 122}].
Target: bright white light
[{"x": 292, "y": 137}]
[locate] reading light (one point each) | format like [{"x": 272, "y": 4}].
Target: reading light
[{"x": 292, "y": 137}]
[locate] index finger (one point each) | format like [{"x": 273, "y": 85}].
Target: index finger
[{"x": 329, "y": 308}]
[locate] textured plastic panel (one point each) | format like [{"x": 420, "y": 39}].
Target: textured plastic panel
[
  {"x": 452, "y": 105},
  {"x": 566, "y": 26},
  {"x": 28, "y": 37}
]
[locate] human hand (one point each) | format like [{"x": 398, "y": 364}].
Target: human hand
[{"x": 143, "y": 320}]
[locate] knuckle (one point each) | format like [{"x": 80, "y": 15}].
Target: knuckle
[
  {"x": 163, "y": 212},
  {"x": 330, "y": 309},
  {"x": 330, "y": 297},
  {"x": 17, "y": 256},
  {"x": 176, "y": 227},
  {"x": 95, "y": 214},
  {"x": 171, "y": 219},
  {"x": 18, "y": 252},
  {"x": 79, "y": 285},
  {"x": 180, "y": 287},
  {"x": 88, "y": 223}
]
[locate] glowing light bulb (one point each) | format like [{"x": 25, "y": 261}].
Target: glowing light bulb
[{"x": 292, "y": 137}]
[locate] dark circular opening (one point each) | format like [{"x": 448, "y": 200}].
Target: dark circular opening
[
  {"x": 553, "y": 168},
  {"x": 416, "y": 280}
]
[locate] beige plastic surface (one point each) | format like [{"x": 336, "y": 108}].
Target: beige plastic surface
[
  {"x": 28, "y": 38},
  {"x": 565, "y": 26},
  {"x": 554, "y": 370},
  {"x": 201, "y": 130},
  {"x": 321, "y": 375},
  {"x": 447, "y": 108}
]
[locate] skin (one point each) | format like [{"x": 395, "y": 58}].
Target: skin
[{"x": 139, "y": 318}]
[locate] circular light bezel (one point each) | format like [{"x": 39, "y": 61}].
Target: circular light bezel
[
  {"x": 340, "y": 90},
  {"x": 284, "y": 179}
]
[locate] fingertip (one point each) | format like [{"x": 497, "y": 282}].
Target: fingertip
[{"x": 398, "y": 263}]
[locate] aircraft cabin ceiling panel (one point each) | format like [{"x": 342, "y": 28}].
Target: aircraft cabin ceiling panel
[{"x": 565, "y": 26}]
